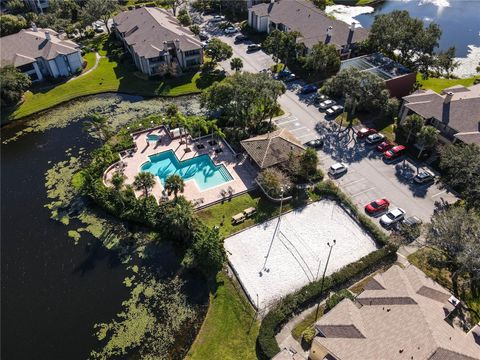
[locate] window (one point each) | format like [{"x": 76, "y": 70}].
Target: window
[
  {"x": 156, "y": 59},
  {"x": 193, "y": 62},
  {"x": 192, "y": 52}
]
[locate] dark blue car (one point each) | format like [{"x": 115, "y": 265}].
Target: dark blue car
[{"x": 308, "y": 89}]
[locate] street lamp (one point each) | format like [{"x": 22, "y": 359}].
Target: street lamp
[
  {"x": 323, "y": 276},
  {"x": 276, "y": 228}
]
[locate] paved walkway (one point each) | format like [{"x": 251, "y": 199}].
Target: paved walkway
[{"x": 97, "y": 60}]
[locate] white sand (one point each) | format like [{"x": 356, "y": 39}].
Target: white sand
[
  {"x": 296, "y": 250},
  {"x": 469, "y": 64},
  {"x": 348, "y": 13}
]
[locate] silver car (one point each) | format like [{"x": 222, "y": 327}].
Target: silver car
[
  {"x": 326, "y": 104},
  {"x": 337, "y": 169}
]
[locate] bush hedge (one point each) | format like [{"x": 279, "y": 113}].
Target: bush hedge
[
  {"x": 346, "y": 276},
  {"x": 310, "y": 294}
]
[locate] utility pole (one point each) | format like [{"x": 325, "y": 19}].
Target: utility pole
[
  {"x": 276, "y": 228},
  {"x": 323, "y": 277}
]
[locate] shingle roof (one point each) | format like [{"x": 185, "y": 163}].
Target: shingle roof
[
  {"x": 27, "y": 45},
  {"x": 461, "y": 113},
  {"x": 310, "y": 21},
  {"x": 272, "y": 148},
  {"x": 469, "y": 137},
  {"x": 147, "y": 28},
  {"x": 397, "y": 331}
]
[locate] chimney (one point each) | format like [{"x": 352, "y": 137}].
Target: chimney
[
  {"x": 34, "y": 27},
  {"x": 352, "y": 26},
  {"x": 272, "y": 1},
  {"x": 448, "y": 97},
  {"x": 47, "y": 35},
  {"x": 330, "y": 31},
  {"x": 165, "y": 46},
  {"x": 177, "y": 44}
]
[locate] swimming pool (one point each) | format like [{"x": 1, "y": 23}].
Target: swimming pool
[
  {"x": 153, "y": 137},
  {"x": 201, "y": 169}
]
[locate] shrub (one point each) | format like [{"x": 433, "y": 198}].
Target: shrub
[
  {"x": 310, "y": 293},
  {"x": 272, "y": 180},
  {"x": 308, "y": 335},
  {"x": 336, "y": 298}
]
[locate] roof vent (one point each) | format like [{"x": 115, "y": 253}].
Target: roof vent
[
  {"x": 34, "y": 27},
  {"x": 448, "y": 97},
  {"x": 47, "y": 35},
  {"x": 330, "y": 31}
]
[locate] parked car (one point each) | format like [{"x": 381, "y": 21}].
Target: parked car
[
  {"x": 384, "y": 146},
  {"x": 98, "y": 28},
  {"x": 392, "y": 217},
  {"x": 375, "y": 138},
  {"x": 423, "y": 177},
  {"x": 334, "y": 110},
  {"x": 326, "y": 104},
  {"x": 290, "y": 77},
  {"x": 218, "y": 18},
  {"x": 319, "y": 98},
  {"x": 364, "y": 132},
  {"x": 337, "y": 169},
  {"x": 203, "y": 36},
  {"x": 307, "y": 89},
  {"x": 394, "y": 153},
  {"x": 412, "y": 221},
  {"x": 377, "y": 206},
  {"x": 253, "y": 47},
  {"x": 315, "y": 143},
  {"x": 230, "y": 30},
  {"x": 240, "y": 38}
]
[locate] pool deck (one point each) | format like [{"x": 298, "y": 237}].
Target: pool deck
[{"x": 242, "y": 172}]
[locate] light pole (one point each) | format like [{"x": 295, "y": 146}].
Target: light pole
[
  {"x": 276, "y": 229},
  {"x": 323, "y": 276}
]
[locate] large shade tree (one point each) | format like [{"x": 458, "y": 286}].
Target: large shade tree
[
  {"x": 322, "y": 59},
  {"x": 362, "y": 90},
  {"x": 460, "y": 165},
  {"x": 13, "y": 83},
  {"x": 396, "y": 33},
  {"x": 456, "y": 232},
  {"x": 244, "y": 100},
  {"x": 101, "y": 10},
  {"x": 218, "y": 50},
  {"x": 11, "y": 24},
  {"x": 283, "y": 45}
]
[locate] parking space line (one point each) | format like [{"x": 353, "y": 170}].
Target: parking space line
[
  {"x": 440, "y": 193},
  {"x": 280, "y": 122},
  {"x": 302, "y": 136},
  {"x": 300, "y": 128},
  {"x": 354, "y": 182},
  {"x": 362, "y": 192}
]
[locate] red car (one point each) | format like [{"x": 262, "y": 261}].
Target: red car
[
  {"x": 384, "y": 146},
  {"x": 377, "y": 206},
  {"x": 394, "y": 152},
  {"x": 364, "y": 132}
]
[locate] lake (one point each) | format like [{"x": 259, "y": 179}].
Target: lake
[
  {"x": 458, "y": 19},
  {"x": 53, "y": 291}
]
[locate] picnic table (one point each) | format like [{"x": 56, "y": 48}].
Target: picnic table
[
  {"x": 250, "y": 211},
  {"x": 236, "y": 219}
]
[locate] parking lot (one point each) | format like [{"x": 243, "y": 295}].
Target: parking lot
[{"x": 368, "y": 177}]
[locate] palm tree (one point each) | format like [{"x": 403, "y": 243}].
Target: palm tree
[
  {"x": 427, "y": 138},
  {"x": 412, "y": 125},
  {"x": 174, "y": 184},
  {"x": 144, "y": 181},
  {"x": 118, "y": 179},
  {"x": 236, "y": 64},
  {"x": 99, "y": 125}
]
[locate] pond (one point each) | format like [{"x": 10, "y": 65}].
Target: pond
[{"x": 55, "y": 290}]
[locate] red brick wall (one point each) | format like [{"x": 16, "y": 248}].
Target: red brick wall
[{"x": 401, "y": 86}]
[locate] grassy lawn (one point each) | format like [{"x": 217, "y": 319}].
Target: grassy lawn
[
  {"x": 230, "y": 330},
  {"x": 109, "y": 76},
  {"x": 216, "y": 214},
  {"x": 90, "y": 59},
  {"x": 438, "y": 84},
  {"x": 443, "y": 276}
]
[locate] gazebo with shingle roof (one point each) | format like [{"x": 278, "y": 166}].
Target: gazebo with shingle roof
[{"x": 273, "y": 148}]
